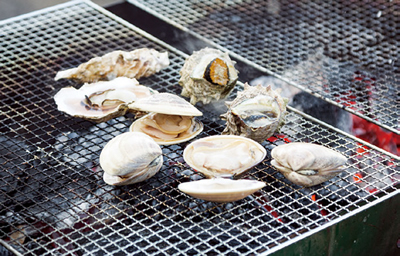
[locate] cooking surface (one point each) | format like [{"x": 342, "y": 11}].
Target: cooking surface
[
  {"x": 346, "y": 52},
  {"x": 53, "y": 198}
]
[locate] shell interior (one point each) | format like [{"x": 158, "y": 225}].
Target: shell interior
[
  {"x": 222, "y": 155},
  {"x": 221, "y": 190}
]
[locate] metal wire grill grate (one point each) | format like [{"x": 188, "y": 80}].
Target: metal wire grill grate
[
  {"x": 53, "y": 199},
  {"x": 345, "y": 52}
]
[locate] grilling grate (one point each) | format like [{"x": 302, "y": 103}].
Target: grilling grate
[
  {"x": 345, "y": 52},
  {"x": 53, "y": 199}
]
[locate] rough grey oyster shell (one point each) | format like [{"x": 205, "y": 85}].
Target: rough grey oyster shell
[
  {"x": 256, "y": 113},
  {"x": 134, "y": 64},
  {"x": 307, "y": 164},
  {"x": 207, "y": 75}
]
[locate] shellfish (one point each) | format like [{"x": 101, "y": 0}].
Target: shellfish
[
  {"x": 129, "y": 158},
  {"x": 218, "y": 157},
  {"x": 207, "y": 75},
  {"x": 257, "y": 113},
  {"x": 134, "y": 64},
  {"x": 171, "y": 119},
  {"x": 307, "y": 164},
  {"x": 101, "y": 101},
  {"x": 221, "y": 190}
]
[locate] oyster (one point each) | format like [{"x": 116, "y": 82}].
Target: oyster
[
  {"x": 223, "y": 155},
  {"x": 129, "y": 158},
  {"x": 257, "y": 113},
  {"x": 207, "y": 75},
  {"x": 221, "y": 190},
  {"x": 101, "y": 101},
  {"x": 171, "y": 121},
  {"x": 135, "y": 64},
  {"x": 307, "y": 164}
]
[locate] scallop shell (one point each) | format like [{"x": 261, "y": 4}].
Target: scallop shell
[
  {"x": 307, "y": 164},
  {"x": 207, "y": 75},
  {"x": 101, "y": 101},
  {"x": 171, "y": 120},
  {"x": 222, "y": 155},
  {"x": 256, "y": 113},
  {"x": 135, "y": 64},
  {"x": 221, "y": 190},
  {"x": 130, "y": 158}
]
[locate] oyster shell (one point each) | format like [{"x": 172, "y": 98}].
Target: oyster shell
[
  {"x": 223, "y": 155},
  {"x": 207, "y": 75},
  {"x": 101, "y": 101},
  {"x": 171, "y": 121},
  {"x": 221, "y": 190},
  {"x": 135, "y": 64},
  {"x": 130, "y": 158},
  {"x": 257, "y": 113},
  {"x": 307, "y": 164}
]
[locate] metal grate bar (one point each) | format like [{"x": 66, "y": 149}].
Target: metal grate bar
[
  {"x": 53, "y": 199},
  {"x": 343, "y": 52}
]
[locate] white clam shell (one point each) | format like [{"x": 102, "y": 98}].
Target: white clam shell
[
  {"x": 72, "y": 101},
  {"x": 307, "y": 164},
  {"x": 130, "y": 158},
  {"x": 221, "y": 190},
  {"x": 222, "y": 155}
]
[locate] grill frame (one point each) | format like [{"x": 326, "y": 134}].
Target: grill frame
[
  {"x": 43, "y": 143},
  {"x": 215, "y": 23}
]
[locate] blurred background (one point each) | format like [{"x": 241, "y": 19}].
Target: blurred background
[{"x": 11, "y": 8}]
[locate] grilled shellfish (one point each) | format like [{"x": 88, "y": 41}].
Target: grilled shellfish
[
  {"x": 101, "y": 101},
  {"x": 129, "y": 158},
  {"x": 307, "y": 164},
  {"x": 221, "y": 190},
  {"x": 219, "y": 157},
  {"x": 256, "y": 113},
  {"x": 171, "y": 119},
  {"x": 207, "y": 75},
  {"x": 134, "y": 64}
]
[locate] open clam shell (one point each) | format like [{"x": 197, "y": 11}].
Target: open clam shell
[
  {"x": 101, "y": 101},
  {"x": 130, "y": 158},
  {"x": 223, "y": 155},
  {"x": 170, "y": 121},
  {"x": 307, "y": 164},
  {"x": 221, "y": 190}
]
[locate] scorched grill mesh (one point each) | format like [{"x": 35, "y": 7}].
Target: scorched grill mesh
[
  {"x": 346, "y": 52},
  {"x": 54, "y": 201}
]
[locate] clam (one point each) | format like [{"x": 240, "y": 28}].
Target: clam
[
  {"x": 221, "y": 190},
  {"x": 101, "y": 101},
  {"x": 129, "y": 158},
  {"x": 134, "y": 64},
  {"x": 207, "y": 75},
  {"x": 256, "y": 113},
  {"x": 220, "y": 157},
  {"x": 171, "y": 119},
  {"x": 307, "y": 164}
]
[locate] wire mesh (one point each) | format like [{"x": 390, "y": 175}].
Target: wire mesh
[
  {"x": 53, "y": 200},
  {"x": 345, "y": 52}
]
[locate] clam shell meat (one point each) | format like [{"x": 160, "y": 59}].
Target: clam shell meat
[
  {"x": 307, "y": 164},
  {"x": 223, "y": 155},
  {"x": 256, "y": 113},
  {"x": 101, "y": 101},
  {"x": 130, "y": 158},
  {"x": 207, "y": 75},
  {"x": 134, "y": 64},
  {"x": 171, "y": 119},
  {"x": 221, "y": 190}
]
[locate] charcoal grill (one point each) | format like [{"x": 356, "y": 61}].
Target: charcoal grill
[{"x": 53, "y": 200}]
